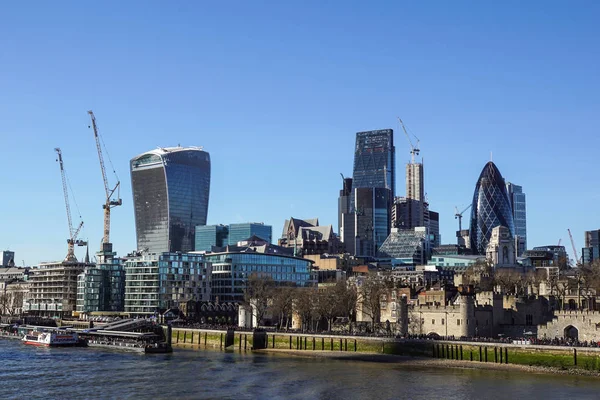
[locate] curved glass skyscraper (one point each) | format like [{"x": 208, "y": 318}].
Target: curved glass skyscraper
[
  {"x": 491, "y": 208},
  {"x": 170, "y": 196}
]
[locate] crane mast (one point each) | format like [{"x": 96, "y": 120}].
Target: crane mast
[
  {"x": 73, "y": 233},
  {"x": 577, "y": 261},
  {"x": 109, "y": 201},
  {"x": 459, "y": 216}
]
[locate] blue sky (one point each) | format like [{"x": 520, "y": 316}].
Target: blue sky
[{"x": 276, "y": 91}]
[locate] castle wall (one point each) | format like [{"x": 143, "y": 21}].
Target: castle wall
[{"x": 587, "y": 324}]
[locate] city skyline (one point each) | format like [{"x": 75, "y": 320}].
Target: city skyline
[{"x": 491, "y": 80}]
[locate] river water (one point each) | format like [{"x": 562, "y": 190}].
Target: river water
[{"x": 28, "y": 372}]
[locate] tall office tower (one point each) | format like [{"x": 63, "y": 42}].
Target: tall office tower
[
  {"x": 241, "y": 232},
  {"x": 491, "y": 208},
  {"x": 591, "y": 251},
  {"x": 374, "y": 160},
  {"x": 375, "y": 172},
  {"x": 519, "y": 210},
  {"x": 415, "y": 193},
  {"x": 170, "y": 197},
  {"x": 344, "y": 205},
  {"x": 399, "y": 213},
  {"x": 434, "y": 229},
  {"x": 8, "y": 259},
  {"x": 371, "y": 222}
]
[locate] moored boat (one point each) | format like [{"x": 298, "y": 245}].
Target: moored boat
[{"x": 52, "y": 338}]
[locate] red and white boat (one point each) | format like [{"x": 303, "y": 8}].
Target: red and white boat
[{"x": 51, "y": 339}]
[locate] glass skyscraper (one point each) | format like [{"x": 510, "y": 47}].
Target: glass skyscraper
[
  {"x": 375, "y": 160},
  {"x": 365, "y": 215},
  {"x": 591, "y": 251},
  {"x": 170, "y": 196},
  {"x": 372, "y": 219},
  {"x": 518, "y": 204},
  {"x": 491, "y": 208}
]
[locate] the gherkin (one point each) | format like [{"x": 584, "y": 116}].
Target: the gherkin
[{"x": 491, "y": 208}]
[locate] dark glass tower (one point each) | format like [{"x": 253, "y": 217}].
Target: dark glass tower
[
  {"x": 170, "y": 196},
  {"x": 374, "y": 160},
  {"x": 518, "y": 203},
  {"x": 491, "y": 208}
]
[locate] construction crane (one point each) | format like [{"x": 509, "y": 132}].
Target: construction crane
[
  {"x": 414, "y": 151},
  {"x": 72, "y": 241},
  {"x": 559, "y": 242},
  {"x": 577, "y": 260},
  {"x": 109, "y": 202},
  {"x": 459, "y": 216}
]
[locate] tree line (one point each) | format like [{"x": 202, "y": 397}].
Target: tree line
[{"x": 316, "y": 308}]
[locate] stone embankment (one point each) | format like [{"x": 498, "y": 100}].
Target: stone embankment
[{"x": 554, "y": 359}]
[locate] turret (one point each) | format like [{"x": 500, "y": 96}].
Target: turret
[{"x": 467, "y": 310}]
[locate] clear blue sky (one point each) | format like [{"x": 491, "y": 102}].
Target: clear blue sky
[{"x": 276, "y": 91}]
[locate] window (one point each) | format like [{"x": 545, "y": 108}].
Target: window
[
  {"x": 433, "y": 322},
  {"x": 458, "y": 322},
  {"x": 528, "y": 319},
  {"x": 443, "y": 321}
]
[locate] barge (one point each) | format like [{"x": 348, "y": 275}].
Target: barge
[{"x": 128, "y": 341}]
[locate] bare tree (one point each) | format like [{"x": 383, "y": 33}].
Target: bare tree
[
  {"x": 480, "y": 275},
  {"x": 327, "y": 305},
  {"x": 508, "y": 279},
  {"x": 259, "y": 290},
  {"x": 5, "y": 301},
  {"x": 588, "y": 280},
  {"x": 372, "y": 289},
  {"x": 415, "y": 322},
  {"x": 281, "y": 305},
  {"x": 346, "y": 297},
  {"x": 304, "y": 305}
]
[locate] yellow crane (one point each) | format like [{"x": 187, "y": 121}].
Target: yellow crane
[
  {"x": 72, "y": 241},
  {"x": 109, "y": 201}
]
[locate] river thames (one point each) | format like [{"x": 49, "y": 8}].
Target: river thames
[{"x": 29, "y": 372}]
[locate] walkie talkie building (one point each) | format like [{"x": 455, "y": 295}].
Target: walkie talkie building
[{"x": 170, "y": 196}]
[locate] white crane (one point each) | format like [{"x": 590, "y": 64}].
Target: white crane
[
  {"x": 577, "y": 259},
  {"x": 414, "y": 151},
  {"x": 109, "y": 202},
  {"x": 459, "y": 216},
  {"x": 73, "y": 233}
]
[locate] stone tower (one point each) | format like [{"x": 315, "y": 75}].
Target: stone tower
[
  {"x": 467, "y": 310},
  {"x": 402, "y": 321}
]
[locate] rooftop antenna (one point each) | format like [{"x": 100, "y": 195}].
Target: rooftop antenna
[{"x": 491, "y": 156}]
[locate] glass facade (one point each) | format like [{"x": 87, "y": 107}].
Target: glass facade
[
  {"x": 372, "y": 219},
  {"x": 374, "y": 160},
  {"x": 155, "y": 283},
  {"x": 491, "y": 208},
  {"x": 102, "y": 288},
  {"x": 591, "y": 251},
  {"x": 518, "y": 204},
  {"x": 170, "y": 196},
  {"x": 373, "y": 189},
  {"x": 240, "y": 232},
  {"x": 208, "y": 236},
  {"x": 230, "y": 272},
  {"x": 409, "y": 246}
]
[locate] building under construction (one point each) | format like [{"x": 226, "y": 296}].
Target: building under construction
[{"x": 53, "y": 289}]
